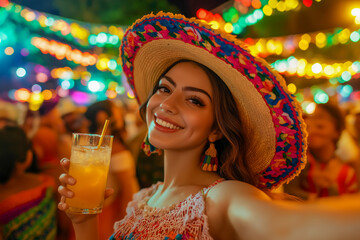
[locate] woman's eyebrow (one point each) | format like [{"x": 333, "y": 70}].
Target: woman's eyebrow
[
  {"x": 172, "y": 82},
  {"x": 197, "y": 90}
]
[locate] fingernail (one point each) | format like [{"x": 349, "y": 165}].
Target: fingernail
[
  {"x": 70, "y": 194},
  {"x": 71, "y": 181}
]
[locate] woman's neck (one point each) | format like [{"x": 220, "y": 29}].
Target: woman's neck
[{"x": 183, "y": 168}]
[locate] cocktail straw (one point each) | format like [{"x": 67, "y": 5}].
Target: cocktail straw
[{"x": 103, "y": 133}]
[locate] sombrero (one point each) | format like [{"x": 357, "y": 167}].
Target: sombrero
[{"x": 271, "y": 116}]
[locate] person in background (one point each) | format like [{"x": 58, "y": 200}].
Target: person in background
[
  {"x": 325, "y": 174},
  {"x": 50, "y": 144},
  {"x": 27, "y": 200},
  {"x": 121, "y": 176},
  {"x": 73, "y": 116},
  {"x": 149, "y": 168}
]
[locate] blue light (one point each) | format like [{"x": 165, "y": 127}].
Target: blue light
[{"x": 21, "y": 72}]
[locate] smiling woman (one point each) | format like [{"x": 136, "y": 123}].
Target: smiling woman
[{"x": 230, "y": 132}]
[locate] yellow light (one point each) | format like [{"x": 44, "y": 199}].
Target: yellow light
[
  {"x": 273, "y": 3},
  {"x": 42, "y": 20},
  {"x": 320, "y": 37},
  {"x": 9, "y": 51},
  {"x": 303, "y": 44},
  {"x": 113, "y": 30},
  {"x": 270, "y": 45},
  {"x": 112, "y": 85},
  {"x": 357, "y": 20},
  {"x": 259, "y": 47},
  {"x": 329, "y": 70},
  {"x": 344, "y": 36},
  {"x": 291, "y": 4},
  {"x": 281, "y": 6},
  {"x": 279, "y": 48},
  {"x": 306, "y": 37},
  {"x": 130, "y": 95},
  {"x": 320, "y": 40},
  {"x": 102, "y": 64},
  {"x": 302, "y": 63},
  {"x": 214, "y": 24},
  {"x": 34, "y": 107},
  {"x": 228, "y": 27},
  {"x": 267, "y": 10},
  {"x": 36, "y": 98},
  {"x": 292, "y": 88}
]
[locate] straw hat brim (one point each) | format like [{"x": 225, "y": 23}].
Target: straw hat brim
[{"x": 275, "y": 132}]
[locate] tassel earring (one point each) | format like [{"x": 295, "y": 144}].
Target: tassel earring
[
  {"x": 209, "y": 161},
  {"x": 148, "y": 148}
]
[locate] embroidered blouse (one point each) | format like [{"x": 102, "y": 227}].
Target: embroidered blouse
[{"x": 184, "y": 220}]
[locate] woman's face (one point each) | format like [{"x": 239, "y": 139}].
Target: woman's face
[
  {"x": 321, "y": 128},
  {"x": 180, "y": 114}
]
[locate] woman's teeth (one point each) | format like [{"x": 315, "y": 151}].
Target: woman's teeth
[{"x": 166, "y": 124}]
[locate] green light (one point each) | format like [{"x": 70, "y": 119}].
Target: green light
[
  {"x": 333, "y": 81},
  {"x": 346, "y": 91},
  {"x": 346, "y": 76},
  {"x": 354, "y": 36},
  {"x": 113, "y": 39},
  {"x": 92, "y": 39},
  {"x": 49, "y": 21},
  {"x": 112, "y": 64},
  {"x": 258, "y": 14},
  {"x": 227, "y": 17},
  {"x": 321, "y": 97},
  {"x": 237, "y": 29}
]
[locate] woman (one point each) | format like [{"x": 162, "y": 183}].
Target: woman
[{"x": 229, "y": 132}]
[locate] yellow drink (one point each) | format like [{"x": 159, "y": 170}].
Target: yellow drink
[{"x": 89, "y": 166}]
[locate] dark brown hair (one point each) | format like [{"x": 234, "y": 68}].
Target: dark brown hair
[{"x": 232, "y": 147}]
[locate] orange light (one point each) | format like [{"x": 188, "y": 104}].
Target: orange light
[
  {"x": 47, "y": 94},
  {"x": 201, "y": 13},
  {"x": 22, "y": 95}
]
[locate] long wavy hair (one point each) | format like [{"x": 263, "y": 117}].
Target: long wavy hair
[{"x": 232, "y": 147}]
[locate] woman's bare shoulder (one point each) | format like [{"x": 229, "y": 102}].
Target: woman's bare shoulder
[{"x": 230, "y": 189}]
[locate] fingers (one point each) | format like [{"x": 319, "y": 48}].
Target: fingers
[
  {"x": 62, "y": 205},
  {"x": 67, "y": 179},
  {"x": 65, "y": 163},
  {"x": 65, "y": 192}
]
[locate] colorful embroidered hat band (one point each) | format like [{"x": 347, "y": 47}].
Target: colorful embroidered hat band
[{"x": 271, "y": 116}]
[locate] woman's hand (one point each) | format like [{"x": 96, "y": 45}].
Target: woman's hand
[{"x": 66, "y": 179}]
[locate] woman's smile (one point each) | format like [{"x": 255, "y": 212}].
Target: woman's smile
[{"x": 165, "y": 124}]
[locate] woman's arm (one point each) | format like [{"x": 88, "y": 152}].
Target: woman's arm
[{"x": 250, "y": 214}]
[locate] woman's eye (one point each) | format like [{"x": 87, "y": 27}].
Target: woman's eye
[
  {"x": 196, "y": 101},
  {"x": 163, "y": 89}
]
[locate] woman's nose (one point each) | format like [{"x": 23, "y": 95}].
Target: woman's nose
[{"x": 169, "y": 105}]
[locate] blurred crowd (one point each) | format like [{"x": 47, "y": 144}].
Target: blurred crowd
[
  {"x": 31, "y": 147},
  {"x": 33, "y": 143}
]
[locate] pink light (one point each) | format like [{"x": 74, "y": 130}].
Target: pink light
[{"x": 80, "y": 98}]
